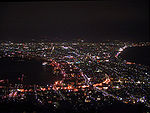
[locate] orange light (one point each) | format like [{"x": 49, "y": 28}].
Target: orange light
[
  {"x": 130, "y": 63},
  {"x": 69, "y": 87},
  {"x": 75, "y": 90},
  {"x": 21, "y": 90},
  {"x": 53, "y": 88},
  {"x": 43, "y": 89},
  {"x": 72, "y": 75},
  {"x": 56, "y": 82},
  {"x": 100, "y": 84}
]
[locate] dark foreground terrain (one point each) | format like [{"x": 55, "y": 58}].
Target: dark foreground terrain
[{"x": 29, "y": 106}]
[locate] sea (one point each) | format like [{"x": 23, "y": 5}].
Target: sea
[
  {"x": 32, "y": 70},
  {"x": 138, "y": 55}
]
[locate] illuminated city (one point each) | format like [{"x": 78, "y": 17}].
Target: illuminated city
[
  {"x": 86, "y": 72},
  {"x": 75, "y": 57}
]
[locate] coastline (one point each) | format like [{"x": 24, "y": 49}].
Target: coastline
[{"x": 140, "y": 56}]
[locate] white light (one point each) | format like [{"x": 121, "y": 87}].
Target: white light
[
  {"x": 138, "y": 82},
  {"x": 120, "y": 49}
]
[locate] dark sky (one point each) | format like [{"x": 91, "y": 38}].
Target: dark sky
[{"x": 98, "y": 20}]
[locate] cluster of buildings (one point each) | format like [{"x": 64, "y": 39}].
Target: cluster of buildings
[{"x": 88, "y": 74}]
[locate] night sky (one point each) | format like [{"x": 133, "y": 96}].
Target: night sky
[{"x": 98, "y": 20}]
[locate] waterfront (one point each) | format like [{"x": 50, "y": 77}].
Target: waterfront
[
  {"x": 32, "y": 69},
  {"x": 87, "y": 77},
  {"x": 139, "y": 55}
]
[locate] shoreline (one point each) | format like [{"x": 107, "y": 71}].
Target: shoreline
[{"x": 133, "y": 61}]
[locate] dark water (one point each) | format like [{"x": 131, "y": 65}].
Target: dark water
[
  {"x": 34, "y": 72},
  {"x": 139, "y": 55}
]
